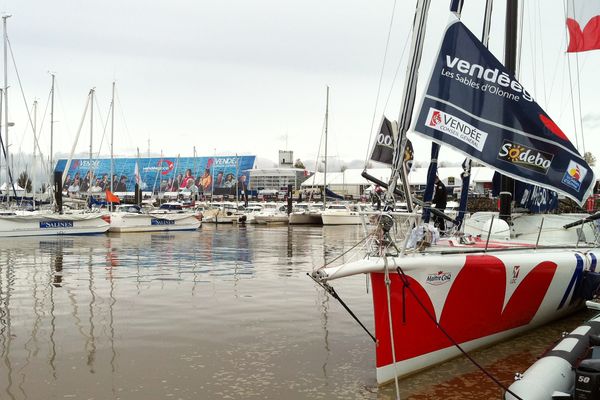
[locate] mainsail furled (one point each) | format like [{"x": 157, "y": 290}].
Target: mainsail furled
[{"x": 475, "y": 106}]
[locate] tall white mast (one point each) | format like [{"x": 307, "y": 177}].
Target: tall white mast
[
  {"x": 52, "y": 125},
  {"x": 326, "y": 128},
  {"x": 35, "y": 105},
  {"x": 408, "y": 101},
  {"x": 112, "y": 135},
  {"x": 5, "y": 37},
  {"x": 92, "y": 92}
]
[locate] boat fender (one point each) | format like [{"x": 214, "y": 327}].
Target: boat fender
[
  {"x": 587, "y": 379},
  {"x": 243, "y": 218}
]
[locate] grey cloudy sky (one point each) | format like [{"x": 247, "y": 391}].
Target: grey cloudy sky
[{"x": 249, "y": 76}]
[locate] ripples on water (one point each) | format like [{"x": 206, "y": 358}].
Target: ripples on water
[{"x": 223, "y": 313}]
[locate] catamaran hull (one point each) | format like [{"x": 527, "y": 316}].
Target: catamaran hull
[
  {"x": 130, "y": 222},
  {"x": 478, "y": 299},
  {"x": 36, "y": 224}
]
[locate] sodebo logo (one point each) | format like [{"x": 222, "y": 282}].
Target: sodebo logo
[{"x": 526, "y": 157}]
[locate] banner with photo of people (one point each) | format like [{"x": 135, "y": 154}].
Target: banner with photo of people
[{"x": 219, "y": 175}]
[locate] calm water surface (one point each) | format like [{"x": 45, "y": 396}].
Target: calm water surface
[{"x": 223, "y": 313}]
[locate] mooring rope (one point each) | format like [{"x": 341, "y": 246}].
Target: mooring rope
[
  {"x": 404, "y": 279},
  {"x": 388, "y": 283}
]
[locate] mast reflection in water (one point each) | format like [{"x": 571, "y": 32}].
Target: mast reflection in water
[{"x": 223, "y": 312}]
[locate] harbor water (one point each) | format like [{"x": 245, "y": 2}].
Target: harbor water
[{"x": 226, "y": 312}]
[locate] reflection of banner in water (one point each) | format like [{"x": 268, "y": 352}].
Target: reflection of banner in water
[{"x": 160, "y": 173}]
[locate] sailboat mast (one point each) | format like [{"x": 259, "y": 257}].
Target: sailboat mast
[
  {"x": 408, "y": 102},
  {"x": 5, "y": 37},
  {"x": 510, "y": 62},
  {"x": 35, "y": 106},
  {"x": 326, "y": 128},
  {"x": 112, "y": 136},
  {"x": 52, "y": 124},
  {"x": 92, "y": 91}
]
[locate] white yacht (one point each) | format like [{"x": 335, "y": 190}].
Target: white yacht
[
  {"x": 272, "y": 213},
  {"x": 130, "y": 218},
  {"x": 45, "y": 223},
  {"x": 223, "y": 213},
  {"x": 343, "y": 214},
  {"x": 305, "y": 214}
]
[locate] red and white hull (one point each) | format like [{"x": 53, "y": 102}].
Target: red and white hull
[{"x": 477, "y": 298}]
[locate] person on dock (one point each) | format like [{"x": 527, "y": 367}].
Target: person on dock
[{"x": 440, "y": 198}]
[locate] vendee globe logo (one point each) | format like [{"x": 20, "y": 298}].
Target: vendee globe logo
[
  {"x": 574, "y": 175},
  {"x": 525, "y": 157},
  {"x": 456, "y": 127}
]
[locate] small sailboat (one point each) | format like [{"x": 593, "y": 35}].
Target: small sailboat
[
  {"x": 17, "y": 223},
  {"x": 131, "y": 218},
  {"x": 499, "y": 276}
]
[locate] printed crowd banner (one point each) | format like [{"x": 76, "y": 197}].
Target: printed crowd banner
[
  {"x": 475, "y": 106},
  {"x": 208, "y": 175},
  {"x": 583, "y": 23}
]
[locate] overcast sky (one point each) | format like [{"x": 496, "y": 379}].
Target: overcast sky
[{"x": 249, "y": 77}]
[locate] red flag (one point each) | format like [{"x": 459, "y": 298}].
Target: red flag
[
  {"x": 112, "y": 198},
  {"x": 583, "y": 23}
]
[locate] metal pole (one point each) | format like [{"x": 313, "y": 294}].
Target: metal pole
[
  {"x": 52, "y": 124},
  {"x": 510, "y": 61},
  {"x": 408, "y": 102},
  {"x": 112, "y": 135},
  {"x": 326, "y": 127},
  {"x": 35, "y": 104},
  {"x": 4, "y": 18},
  {"x": 91, "y": 124}
]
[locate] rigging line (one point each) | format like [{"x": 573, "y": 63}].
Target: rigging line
[
  {"x": 539, "y": 26},
  {"x": 103, "y": 132},
  {"x": 385, "y": 53},
  {"x": 404, "y": 278},
  {"x": 532, "y": 51},
  {"x": 329, "y": 289},
  {"x": 579, "y": 99},
  {"x": 12, "y": 56},
  {"x": 122, "y": 115},
  {"x": 318, "y": 152},
  {"x": 556, "y": 64},
  {"x": 388, "y": 284},
  {"x": 343, "y": 254},
  {"x": 571, "y": 87},
  {"x": 387, "y": 100}
]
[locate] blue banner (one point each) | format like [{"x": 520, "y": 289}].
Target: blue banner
[
  {"x": 209, "y": 175},
  {"x": 475, "y": 106}
]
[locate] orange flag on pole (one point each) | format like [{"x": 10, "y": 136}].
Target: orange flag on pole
[{"x": 111, "y": 197}]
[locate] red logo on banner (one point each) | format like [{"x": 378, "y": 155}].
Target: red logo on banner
[
  {"x": 436, "y": 118},
  {"x": 168, "y": 168}
]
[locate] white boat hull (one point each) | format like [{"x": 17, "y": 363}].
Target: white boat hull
[
  {"x": 49, "y": 224},
  {"x": 132, "y": 222},
  {"x": 353, "y": 218}
]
